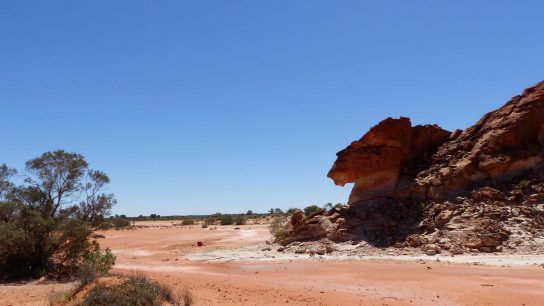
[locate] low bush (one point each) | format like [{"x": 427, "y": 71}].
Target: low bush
[
  {"x": 119, "y": 222},
  {"x": 95, "y": 263},
  {"x": 240, "y": 220},
  {"x": 226, "y": 220},
  {"x": 115, "y": 222},
  {"x": 207, "y": 222},
  {"x": 277, "y": 227},
  {"x": 136, "y": 291},
  {"x": 188, "y": 222}
]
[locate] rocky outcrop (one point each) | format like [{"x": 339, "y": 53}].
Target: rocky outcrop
[
  {"x": 421, "y": 185},
  {"x": 504, "y": 144},
  {"x": 389, "y": 151}
]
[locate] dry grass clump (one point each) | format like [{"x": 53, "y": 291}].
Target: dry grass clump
[
  {"x": 61, "y": 297},
  {"x": 136, "y": 290},
  {"x": 277, "y": 227}
]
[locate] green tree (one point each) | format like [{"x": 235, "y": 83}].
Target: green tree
[
  {"x": 45, "y": 224},
  {"x": 6, "y": 185}
]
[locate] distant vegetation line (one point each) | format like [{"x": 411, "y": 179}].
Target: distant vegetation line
[{"x": 272, "y": 211}]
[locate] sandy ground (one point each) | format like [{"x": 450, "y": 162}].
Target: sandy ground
[{"x": 231, "y": 269}]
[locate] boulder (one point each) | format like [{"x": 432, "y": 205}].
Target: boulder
[{"x": 297, "y": 217}]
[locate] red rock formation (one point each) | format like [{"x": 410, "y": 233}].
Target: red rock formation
[
  {"x": 502, "y": 145},
  {"x": 390, "y": 149},
  {"x": 480, "y": 188}
]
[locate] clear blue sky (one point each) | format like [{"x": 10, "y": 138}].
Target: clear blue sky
[{"x": 207, "y": 106}]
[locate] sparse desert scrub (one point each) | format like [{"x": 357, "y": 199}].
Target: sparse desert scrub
[
  {"x": 207, "y": 222},
  {"x": 240, "y": 220},
  {"x": 115, "y": 222},
  {"x": 136, "y": 290},
  {"x": 61, "y": 297},
  {"x": 226, "y": 220}
]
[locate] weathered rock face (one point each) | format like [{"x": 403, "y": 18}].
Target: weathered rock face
[
  {"x": 480, "y": 188},
  {"x": 426, "y": 162},
  {"x": 503, "y": 144},
  {"x": 391, "y": 149}
]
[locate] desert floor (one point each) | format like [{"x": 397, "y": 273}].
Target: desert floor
[{"x": 232, "y": 269}]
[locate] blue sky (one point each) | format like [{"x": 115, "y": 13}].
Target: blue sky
[{"x": 207, "y": 106}]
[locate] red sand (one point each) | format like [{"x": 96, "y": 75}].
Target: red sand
[{"x": 159, "y": 253}]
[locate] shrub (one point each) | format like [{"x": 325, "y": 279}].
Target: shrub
[
  {"x": 185, "y": 297},
  {"x": 226, "y": 220},
  {"x": 277, "y": 227},
  {"x": 137, "y": 291},
  {"x": 61, "y": 297},
  {"x": 95, "y": 263},
  {"x": 310, "y": 209},
  {"x": 207, "y": 222},
  {"x": 281, "y": 233},
  {"x": 120, "y": 222},
  {"x": 240, "y": 220},
  {"x": 188, "y": 222},
  {"x": 115, "y": 222}
]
